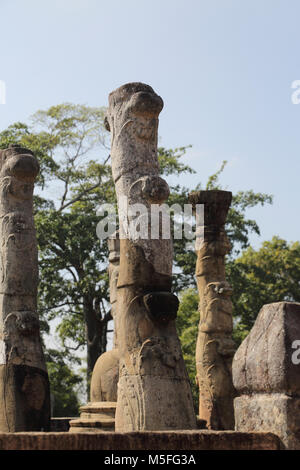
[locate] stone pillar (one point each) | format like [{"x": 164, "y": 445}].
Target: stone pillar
[
  {"x": 266, "y": 375},
  {"x": 153, "y": 390},
  {"x": 99, "y": 414},
  {"x": 215, "y": 347},
  {"x": 24, "y": 385}
]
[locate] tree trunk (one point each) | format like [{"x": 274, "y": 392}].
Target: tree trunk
[{"x": 96, "y": 332}]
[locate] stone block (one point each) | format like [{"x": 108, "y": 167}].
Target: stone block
[
  {"x": 266, "y": 373},
  {"x": 175, "y": 440},
  {"x": 276, "y": 413},
  {"x": 263, "y": 363}
]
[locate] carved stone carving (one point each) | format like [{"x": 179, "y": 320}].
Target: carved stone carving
[
  {"x": 24, "y": 385},
  {"x": 215, "y": 347},
  {"x": 153, "y": 390}
]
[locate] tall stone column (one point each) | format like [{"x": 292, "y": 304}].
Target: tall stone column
[
  {"x": 153, "y": 390},
  {"x": 24, "y": 385},
  {"x": 215, "y": 347}
]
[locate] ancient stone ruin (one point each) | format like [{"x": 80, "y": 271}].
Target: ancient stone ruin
[
  {"x": 266, "y": 375},
  {"x": 153, "y": 390},
  {"x": 24, "y": 385},
  {"x": 142, "y": 383},
  {"x": 215, "y": 347}
]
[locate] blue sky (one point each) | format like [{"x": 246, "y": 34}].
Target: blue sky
[{"x": 224, "y": 69}]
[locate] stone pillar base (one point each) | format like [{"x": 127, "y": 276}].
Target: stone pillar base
[
  {"x": 276, "y": 413},
  {"x": 95, "y": 417}
]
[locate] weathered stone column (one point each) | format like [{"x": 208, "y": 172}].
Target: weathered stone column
[
  {"x": 266, "y": 374},
  {"x": 24, "y": 385},
  {"x": 153, "y": 391},
  {"x": 99, "y": 414},
  {"x": 215, "y": 347}
]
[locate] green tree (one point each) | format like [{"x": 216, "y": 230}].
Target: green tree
[
  {"x": 269, "y": 274},
  {"x": 64, "y": 384},
  {"x": 187, "y": 327},
  {"x": 238, "y": 227}
]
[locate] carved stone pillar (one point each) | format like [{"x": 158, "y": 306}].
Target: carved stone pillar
[
  {"x": 99, "y": 414},
  {"x": 215, "y": 347},
  {"x": 24, "y": 385},
  {"x": 153, "y": 391}
]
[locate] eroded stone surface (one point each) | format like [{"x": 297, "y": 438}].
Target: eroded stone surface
[
  {"x": 24, "y": 386},
  {"x": 276, "y": 413},
  {"x": 215, "y": 347},
  {"x": 105, "y": 377},
  {"x": 176, "y": 440},
  {"x": 95, "y": 417},
  {"x": 153, "y": 391},
  {"x": 267, "y": 377},
  {"x": 263, "y": 362}
]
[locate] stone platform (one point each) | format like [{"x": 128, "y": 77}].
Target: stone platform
[
  {"x": 163, "y": 440},
  {"x": 95, "y": 417}
]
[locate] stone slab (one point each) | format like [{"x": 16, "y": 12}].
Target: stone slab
[
  {"x": 274, "y": 413},
  {"x": 173, "y": 440}
]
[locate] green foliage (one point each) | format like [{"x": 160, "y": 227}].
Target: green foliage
[
  {"x": 213, "y": 180},
  {"x": 270, "y": 274},
  {"x": 41, "y": 143},
  {"x": 187, "y": 327},
  {"x": 63, "y": 385},
  {"x": 169, "y": 161},
  {"x": 238, "y": 227}
]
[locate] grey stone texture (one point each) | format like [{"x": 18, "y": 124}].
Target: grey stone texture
[{"x": 267, "y": 377}]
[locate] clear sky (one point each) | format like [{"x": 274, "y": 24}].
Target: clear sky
[{"x": 223, "y": 67}]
